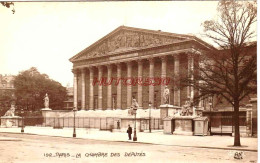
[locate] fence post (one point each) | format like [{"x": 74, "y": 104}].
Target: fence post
[
  {"x": 78, "y": 122},
  {"x": 140, "y": 124},
  {"x": 221, "y": 124},
  {"x": 153, "y": 123},
  {"x": 106, "y": 123},
  {"x": 232, "y": 124}
]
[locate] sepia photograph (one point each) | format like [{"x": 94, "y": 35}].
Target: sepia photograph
[{"x": 128, "y": 81}]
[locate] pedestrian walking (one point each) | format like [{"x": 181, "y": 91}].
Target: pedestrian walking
[
  {"x": 118, "y": 124},
  {"x": 129, "y": 131}
]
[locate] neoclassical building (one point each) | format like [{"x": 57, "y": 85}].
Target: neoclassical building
[{"x": 135, "y": 63}]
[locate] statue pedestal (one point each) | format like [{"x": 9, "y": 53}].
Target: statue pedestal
[
  {"x": 45, "y": 111},
  {"x": 183, "y": 125},
  {"x": 10, "y": 121},
  {"x": 199, "y": 111},
  {"x": 169, "y": 110},
  {"x": 46, "y": 121},
  {"x": 164, "y": 110}
]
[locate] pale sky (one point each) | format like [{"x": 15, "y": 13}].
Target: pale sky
[{"x": 46, "y": 34}]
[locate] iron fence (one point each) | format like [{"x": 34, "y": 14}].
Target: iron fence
[
  {"x": 155, "y": 124},
  {"x": 107, "y": 123},
  {"x": 224, "y": 125}
]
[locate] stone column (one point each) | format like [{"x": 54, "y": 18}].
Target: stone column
[
  {"x": 190, "y": 74},
  {"x": 177, "y": 93},
  {"x": 151, "y": 75},
  {"x": 75, "y": 91},
  {"x": 163, "y": 76},
  {"x": 140, "y": 87},
  {"x": 100, "y": 98},
  {"x": 188, "y": 70},
  {"x": 200, "y": 100},
  {"x": 118, "y": 90},
  {"x": 83, "y": 93},
  {"x": 109, "y": 87},
  {"x": 200, "y": 83},
  {"x": 91, "y": 89},
  {"x": 129, "y": 86}
]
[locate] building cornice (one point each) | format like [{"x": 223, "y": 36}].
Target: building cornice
[{"x": 136, "y": 58}]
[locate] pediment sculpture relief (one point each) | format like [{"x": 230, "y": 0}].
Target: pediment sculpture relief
[{"x": 126, "y": 40}]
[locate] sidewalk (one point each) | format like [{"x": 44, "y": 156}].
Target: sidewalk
[
  {"x": 156, "y": 138},
  {"x": 9, "y": 139}
]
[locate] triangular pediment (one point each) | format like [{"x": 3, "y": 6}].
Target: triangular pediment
[{"x": 127, "y": 38}]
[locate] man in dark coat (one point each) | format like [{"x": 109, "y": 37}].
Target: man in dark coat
[
  {"x": 118, "y": 124},
  {"x": 129, "y": 131}
]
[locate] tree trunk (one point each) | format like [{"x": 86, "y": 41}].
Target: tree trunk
[{"x": 236, "y": 120}]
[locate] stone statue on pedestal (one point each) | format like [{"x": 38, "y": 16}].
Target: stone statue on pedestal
[
  {"x": 135, "y": 104},
  {"x": 46, "y": 101},
  {"x": 166, "y": 95},
  {"x": 9, "y": 119},
  {"x": 10, "y": 112},
  {"x": 186, "y": 109},
  {"x": 134, "y": 107}
]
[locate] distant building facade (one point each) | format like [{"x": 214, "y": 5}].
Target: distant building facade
[
  {"x": 6, "y": 91},
  {"x": 68, "y": 104},
  {"x": 7, "y": 82}
]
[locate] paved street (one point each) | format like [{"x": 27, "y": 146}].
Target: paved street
[
  {"x": 157, "y": 137},
  {"x": 36, "y": 148}
]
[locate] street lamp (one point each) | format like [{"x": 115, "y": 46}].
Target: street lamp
[
  {"x": 22, "y": 129},
  {"x": 135, "y": 136},
  {"x": 74, "y": 128},
  {"x": 150, "y": 107}
]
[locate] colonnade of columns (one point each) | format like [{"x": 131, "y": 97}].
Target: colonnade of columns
[{"x": 129, "y": 87}]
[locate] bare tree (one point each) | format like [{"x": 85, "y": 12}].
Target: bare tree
[
  {"x": 8, "y": 5},
  {"x": 230, "y": 70}
]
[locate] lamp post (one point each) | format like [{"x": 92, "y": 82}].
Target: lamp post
[
  {"x": 150, "y": 107},
  {"x": 74, "y": 127},
  {"x": 135, "y": 136},
  {"x": 134, "y": 108},
  {"x": 22, "y": 129}
]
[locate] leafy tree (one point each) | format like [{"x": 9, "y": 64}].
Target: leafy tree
[
  {"x": 230, "y": 71},
  {"x": 31, "y": 87},
  {"x": 6, "y": 98}
]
